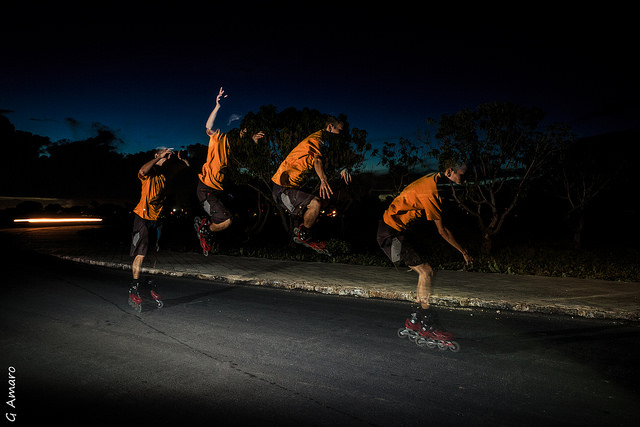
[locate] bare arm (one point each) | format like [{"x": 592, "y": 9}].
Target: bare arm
[
  {"x": 185, "y": 161},
  {"x": 214, "y": 113},
  {"x": 325, "y": 190},
  {"x": 448, "y": 236},
  {"x": 144, "y": 170}
]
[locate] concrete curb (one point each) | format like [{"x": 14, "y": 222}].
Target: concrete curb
[
  {"x": 241, "y": 280},
  {"x": 554, "y": 308}
]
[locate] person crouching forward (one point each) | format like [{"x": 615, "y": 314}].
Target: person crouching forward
[{"x": 420, "y": 199}]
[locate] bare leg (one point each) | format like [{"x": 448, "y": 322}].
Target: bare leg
[
  {"x": 425, "y": 277},
  {"x": 312, "y": 212},
  {"x": 219, "y": 227},
  {"x": 137, "y": 266}
]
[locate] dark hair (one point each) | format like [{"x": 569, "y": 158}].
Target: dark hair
[
  {"x": 449, "y": 161},
  {"x": 333, "y": 121},
  {"x": 233, "y": 134}
]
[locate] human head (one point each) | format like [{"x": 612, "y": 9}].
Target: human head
[
  {"x": 164, "y": 153},
  {"x": 452, "y": 169},
  {"x": 333, "y": 125},
  {"x": 241, "y": 134}
]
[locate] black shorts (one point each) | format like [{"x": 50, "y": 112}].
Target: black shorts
[
  {"x": 397, "y": 246},
  {"x": 212, "y": 204},
  {"x": 292, "y": 200},
  {"x": 140, "y": 235}
]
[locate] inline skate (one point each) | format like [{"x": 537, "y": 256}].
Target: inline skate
[
  {"x": 154, "y": 294},
  {"x": 201, "y": 226},
  {"x": 135, "y": 301},
  {"x": 420, "y": 328},
  {"x": 431, "y": 337},
  {"x": 411, "y": 327},
  {"x": 135, "y": 297},
  {"x": 302, "y": 236}
]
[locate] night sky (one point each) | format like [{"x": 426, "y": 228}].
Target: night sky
[{"x": 155, "y": 85}]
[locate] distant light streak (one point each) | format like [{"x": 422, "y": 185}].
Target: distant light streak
[{"x": 56, "y": 220}]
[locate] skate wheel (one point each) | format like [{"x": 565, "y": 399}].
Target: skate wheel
[
  {"x": 138, "y": 308},
  {"x": 403, "y": 333},
  {"x": 160, "y": 304},
  {"x": 428, "y": 342},
  {"x": 454, "y": 346}
]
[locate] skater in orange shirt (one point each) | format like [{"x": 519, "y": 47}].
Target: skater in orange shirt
[
  {"x": 210, "y": 180},
  {"x": 153, "y": 177},
  {"x": 290, "y": 176},
  {"x": 420, "y": 199}
]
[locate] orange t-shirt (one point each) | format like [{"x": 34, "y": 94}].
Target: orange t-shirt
[
  {"x": 213, "y": 169},
  {"x": 152, "y": 196},
  {"x": 299, "y": 162},
  {"x": 419, "y": 199}
]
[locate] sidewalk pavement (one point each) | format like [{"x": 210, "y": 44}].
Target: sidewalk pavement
[{"x": 568, "y": 296}]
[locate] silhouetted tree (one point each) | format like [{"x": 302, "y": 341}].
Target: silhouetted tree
[
  {"x": 585, "y": 171},
  {"x": 402, "y": 160},
  {"x": 21, "y": 172},
  {"x": 506, "y": 148},
  {"x": 86, "y": 168}
]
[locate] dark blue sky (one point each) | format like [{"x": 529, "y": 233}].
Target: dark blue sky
[{"x": 156, "y": 84}]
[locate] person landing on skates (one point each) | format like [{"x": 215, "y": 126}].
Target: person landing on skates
[
  {"x": 153, "y": 176},
  {"x": 420, "y": 199}
]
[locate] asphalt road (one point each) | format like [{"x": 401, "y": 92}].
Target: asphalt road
[{"x": 73, "y": 350}]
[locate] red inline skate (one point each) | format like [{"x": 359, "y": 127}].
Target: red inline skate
[
  {"x": 135, "y": 298},
  {"x": 302, "y": 236},
  {"x": 431, "y": 337},
  {"x": 420, "y": 328},
  {"x": 201, "y": 226}
]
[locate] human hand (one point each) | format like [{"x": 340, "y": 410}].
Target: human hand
[
  {"x": 468, "y": 259},
  {"x": 325, "y": 190},
  {"x": 220, "y": 96},
  {"x": 257, "y": 137},
  {"x": 165, "y": 153},
  {"x": 344, "y": 174},
  {"x": 185, "y": 161}
]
